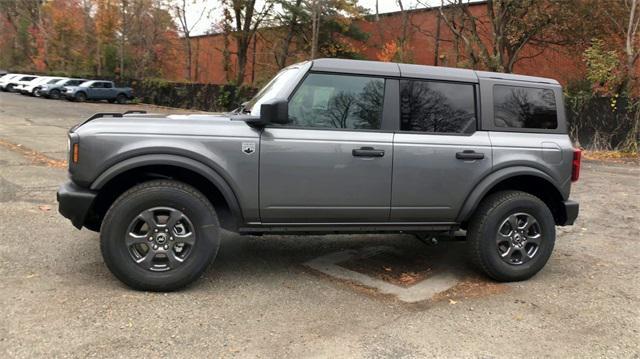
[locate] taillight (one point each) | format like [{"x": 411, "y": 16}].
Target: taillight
[
  {"x": 76, "y": 153},
  {"x": 575, "y": 165}
]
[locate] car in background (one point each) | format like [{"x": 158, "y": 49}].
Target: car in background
[
  {"x": 98, "y": 90},
  {"x": 31, "y": 88},
  {"x": 54, "y": 90},
  {"x": 18, "y": 82},
  {"x": 4, "y": 81}
]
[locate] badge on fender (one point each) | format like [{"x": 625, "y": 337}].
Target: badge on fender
[{"x": 248, "y": 147}]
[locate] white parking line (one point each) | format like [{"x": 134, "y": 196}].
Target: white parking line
[{"x": 421, "y": 291}]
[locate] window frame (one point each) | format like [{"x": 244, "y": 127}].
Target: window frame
[
  {"x": 487, "y": 100},
  {"x": 476, "y": 106},
  {"x": 388, "y": 122}
]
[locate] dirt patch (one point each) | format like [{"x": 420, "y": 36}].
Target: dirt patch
[
  {"x": 471, "y": 288},
  {"x": 394, "y": 268},
  {"x": 35, "y": 157},
  {"x": 611, "y": 156}
]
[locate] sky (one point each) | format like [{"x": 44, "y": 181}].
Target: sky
[{"x": 212, "y": 8}]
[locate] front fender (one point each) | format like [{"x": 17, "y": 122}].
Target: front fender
[
  {"x": 172, "y": 160},
  {"x": 482, "y": 188}
]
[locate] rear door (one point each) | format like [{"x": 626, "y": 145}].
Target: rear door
[
  {"x": 332, "y": 162},
  {"x": 439, "y": 155}
]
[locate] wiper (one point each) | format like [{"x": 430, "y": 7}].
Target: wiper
[{"x": 242, "y": 109}]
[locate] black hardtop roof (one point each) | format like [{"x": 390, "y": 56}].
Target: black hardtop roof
[{"x": 379, "y": 68}]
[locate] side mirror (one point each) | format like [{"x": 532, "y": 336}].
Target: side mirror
[{"x": 275, "y": 111}]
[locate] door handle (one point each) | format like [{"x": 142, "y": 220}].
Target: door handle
[
  {"x": 469, "y": 155},
  {"x": 367, "y": 152}
]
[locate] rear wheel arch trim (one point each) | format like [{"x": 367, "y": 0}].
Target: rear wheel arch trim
[
  {"x": 488, "y": 183},
  {"x": 178, "y": 161}
]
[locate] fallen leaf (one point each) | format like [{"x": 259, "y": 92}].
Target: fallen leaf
[
  {"x": 388, "y": 269},
  {"x": 452, "y": 302},
  {"x": 44, "y": 208}
]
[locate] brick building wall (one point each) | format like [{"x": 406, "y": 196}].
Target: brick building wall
[{"x": 563, "y": 64}]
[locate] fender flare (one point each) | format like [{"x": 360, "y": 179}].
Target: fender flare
[
  {"x": 490, "y": 181},
  {"x": 178, "y": 161}
]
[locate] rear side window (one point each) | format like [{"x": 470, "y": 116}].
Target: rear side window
[
  {"x": 441, "y": 107},
  {"x": 524, "y": 107}
]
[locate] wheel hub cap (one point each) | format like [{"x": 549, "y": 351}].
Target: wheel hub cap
[
  {"x": 518, "y": 238},
  {"x": 160, "y": 238}
]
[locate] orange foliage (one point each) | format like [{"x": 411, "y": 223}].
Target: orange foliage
[{"x": 388, "y": 52}]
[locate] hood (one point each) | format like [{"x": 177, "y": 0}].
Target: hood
[{"x": 161, "y": 125}]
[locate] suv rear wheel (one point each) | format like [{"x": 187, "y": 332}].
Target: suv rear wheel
[
  {"x": 511, "y": 235},
  {"x": 81, "y": 97},
  {"x": 160, "y": 236}
]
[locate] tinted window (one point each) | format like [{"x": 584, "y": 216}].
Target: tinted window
[
  {"x": 430, "y": 106},
  {"x": 338, "y": 101},
  {"x": 107, "y": 85},
  {"x": 74, "y": 82},
  {"x": 524, "y": 107}
]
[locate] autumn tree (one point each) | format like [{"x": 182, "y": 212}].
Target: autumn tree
[
  {"x": 180, "y": 12},
  {"x": 246, "y": 19},
  {"x": 512, "y": 24}
]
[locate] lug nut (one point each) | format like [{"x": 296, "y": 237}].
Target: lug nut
[
  {"x": 150, "y": 238},
  {"x": 155, "y": 246},
  {"x": 166, "y": 230},
  {"x": 170, "y": 238},
  {"x": 155, "y": 230},
  {"x": 166, "y": 247}
]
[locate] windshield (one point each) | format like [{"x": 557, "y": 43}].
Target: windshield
[{"x": 270, "y": 90}]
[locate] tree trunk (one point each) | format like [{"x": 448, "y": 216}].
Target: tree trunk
[
  {"x": 187, "y": 39},
  {"x": 315, "y": 27},
  {"x": 436, "y": 52},
  {"x": 281, "y": 60}
]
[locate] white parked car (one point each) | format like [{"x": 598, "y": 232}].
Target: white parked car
[
  {"x": 6, "y": 79},
  {"x": 33, "y": 88},
  {"x": 18, "y": 81}
]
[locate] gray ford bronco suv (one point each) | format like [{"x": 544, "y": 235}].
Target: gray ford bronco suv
[{"x": 331, "y": 146}]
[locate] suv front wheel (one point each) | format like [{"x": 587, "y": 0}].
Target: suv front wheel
[
  {"x": 160, "y": 236},
  {"x": 511, "y": 235}
]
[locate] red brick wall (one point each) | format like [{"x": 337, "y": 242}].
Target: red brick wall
[{"x": 555, "y": 62}]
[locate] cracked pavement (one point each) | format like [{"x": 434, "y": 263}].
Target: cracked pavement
[{"x": 258, "y": 299}]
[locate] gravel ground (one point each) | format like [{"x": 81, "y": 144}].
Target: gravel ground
[{"x": 258, "y": 300}]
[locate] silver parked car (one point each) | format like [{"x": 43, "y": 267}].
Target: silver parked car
[{"x": 331, "y": 146}]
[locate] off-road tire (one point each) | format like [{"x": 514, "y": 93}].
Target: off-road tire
[
  {"x": 159, "y": 193},
  {"x": 80, "y": 97},
  {"x": 483, "y": 230},
  {"x": 54, "y": 94},
  {"x": 121, "y": 99}
]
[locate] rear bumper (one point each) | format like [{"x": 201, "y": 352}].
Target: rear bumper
[
  {"x": 74, "y": 202},
  {"x": 570, "y": 212}
]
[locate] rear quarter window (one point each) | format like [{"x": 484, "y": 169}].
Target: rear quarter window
[{"x": 524, "y": 107}]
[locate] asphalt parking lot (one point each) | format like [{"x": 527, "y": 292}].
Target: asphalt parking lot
[{"x": 279, "y": 297}]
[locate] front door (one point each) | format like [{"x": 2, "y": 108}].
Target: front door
[{"x": 331, "y": 163}]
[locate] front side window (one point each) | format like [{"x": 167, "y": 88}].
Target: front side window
[
  {"x": 524, "y": 107},
  {"x": 440, "y": 107},
  {"x": 338, "y": 101}
]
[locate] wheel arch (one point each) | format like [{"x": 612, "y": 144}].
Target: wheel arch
[
  {"x": 526, "y": 179},
  {"x": 117, "y": 179}
]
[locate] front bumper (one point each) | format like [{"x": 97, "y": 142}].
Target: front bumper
[
  {"x": 74, "y": 202},
  {"x": 570, "y": 212}
]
